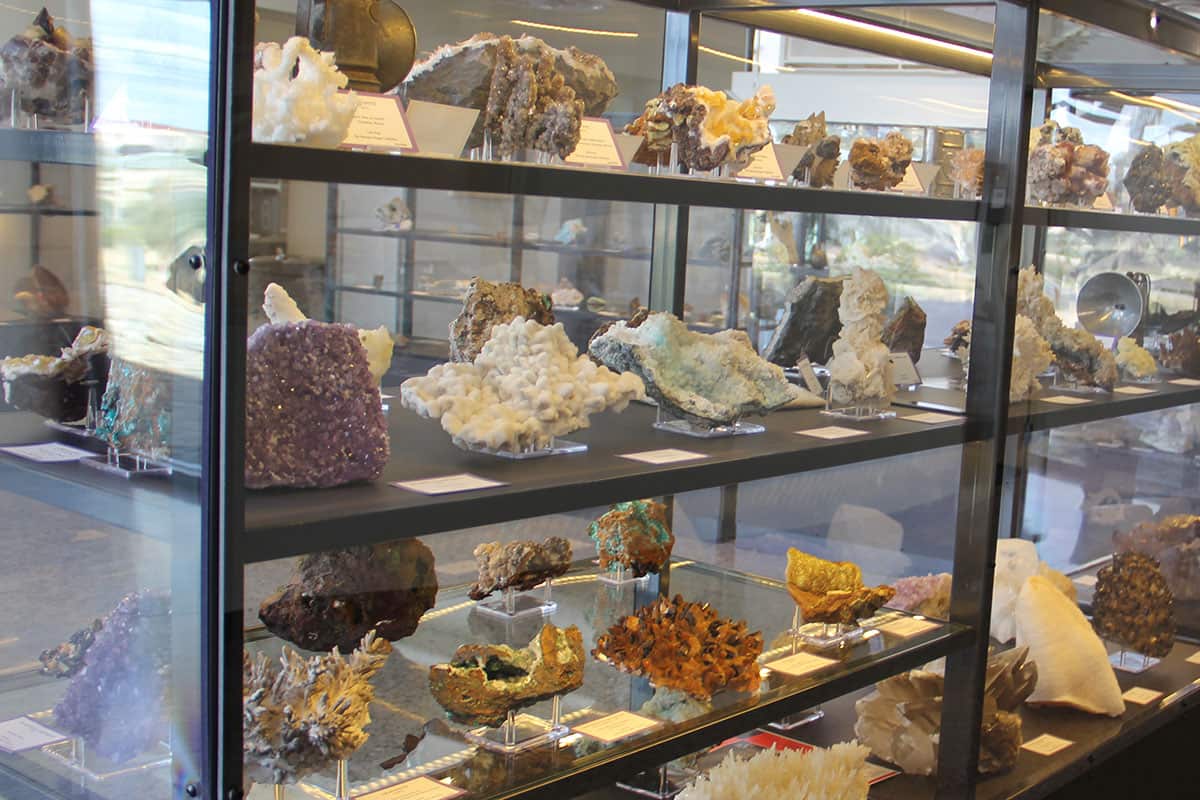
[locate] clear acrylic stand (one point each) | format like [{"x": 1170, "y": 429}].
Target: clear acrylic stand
[
  {"x": 667, "y": 162},
  {"x": 699, "y": 431},
  {"x": 76, "y": 755},
  {"x": 622, "y": 576},
  {"x": 521, "y": 732},
  {"x": 797, "y": 720},
  {"x": 1065, "y": 384},
  {"x": 825, "y": 635},
  {"x": 513, "y": 604},
  {"x": 557, "y": 447},
  {"x": 661, "y": 784},
  {"x": 1133, "y": 663},
  {"x": 128, "y": 465},
  {"x": 280, "y": 791},
  {"x": 857, "y": 413},
  {"x": 342, "y": 788}
]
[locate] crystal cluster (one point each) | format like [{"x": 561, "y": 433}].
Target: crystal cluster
[
  {"x": 116, "y": 703},
  {"x": 483, "y": 682},
  {"x": 1133, "y": 605},
  {"x": 49, "y": 72},
  {"x": 966, "y": 171},
  {"x": 1016, "y": 562},
  {"x": 1031, "y": 357},
  {"x": 860, "y": 372},
  {"x": 822, "y": 152},
  {"x": 635, "y": 536},
  {"x": 279, "y": 307},
  {"x": 566, "y": 295},
  {"x": 901, "y": 720},
  {"x": 832, "y": 591},
  {"x": 336, "y": 597},
  {"x": 489, "y": 304},
  {"x": 530, "y": 104},
  {"x": 304, "y": 715},
  {"x": 927, "y": 595},
  {"x": 835, "y": 773},
  {"x": 54, "y": 386},
  {"x": 297, "y": 97},
  {"x": 1181, "y": 166},
  {"x": 1146, "y": 180},
  {"x": 709, "y": 128},
  {"x": 880, "y": 163},
  {"x": 1174, "y": 543},
  {"x": 705, "y": 378},
  {"x": 809, "y": 324},
  {"x": 1182, "y": 352},
  {"x": 1079, "y": 355},
  {"x": 1062, "y": 169},
  {"x": 684, "y": 646},
  {"x": 1073, "y": 668},
  {"x": 905, "y": 331},
  {"x": 1135, "y": 361},
  {"x": 519, "y": 565}
]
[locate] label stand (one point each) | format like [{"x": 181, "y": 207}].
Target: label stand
[
  {"x": 659, "y": 784},
  {"x": 668, "y": 165},
  {"x": 622, "y": 576},
  {"x": 698, "y": 431},
  {"x": 521, "y": 732},
  {"x": 128, "y": 465},
  {"x": 825, "y": 635},
  {"x": 514, "y": 605},
  {"x": 1133, "y": 663},
  {"x": 797, "y": 720},
  {"x": 73, "y": 753},
  {"x": 853, "y": 412},
  {"x": 557, "y": 447}
]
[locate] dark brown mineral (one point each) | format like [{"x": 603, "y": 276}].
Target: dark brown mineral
[
  {"x": 1133, "y": 606},
  {"x": 488, "y": 304},
  {"x": 809, "y": 325},
  {"x": 1174, "y": 543},
  {"x": 1146, "y": 180},
  {"x": 905, "y": 332},
  {"x": 519, "y": 565}
]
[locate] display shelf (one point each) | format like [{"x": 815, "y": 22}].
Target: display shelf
[
  {"x": 484, "y": 240},
  {"x": 48, "y": 211},
  {"x": 288, "y": 162},
  {"x": 1110, "y": 221},
  {"x": 47, "y": 146},
  {"x": 1038, "y": 414}
]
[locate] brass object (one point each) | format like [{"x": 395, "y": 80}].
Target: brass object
[{"x": 373, "y": 41}]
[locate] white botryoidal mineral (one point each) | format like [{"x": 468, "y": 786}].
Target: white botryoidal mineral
[
  {"x": 834, "y": 773},
  {"x": 860, "y": 371},
  {"x": 1135, "y": 361},
  {"x": 1031, "y": 357},
  {"x": 528, "y": 385},
  {"x": 296, "y": 95}
]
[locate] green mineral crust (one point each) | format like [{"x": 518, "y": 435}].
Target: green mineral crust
[{"x": 634, "y": 535}]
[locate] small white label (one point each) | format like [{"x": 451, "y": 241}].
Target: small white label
[
  {"x": 800, "y": 664},
  {"x": 904, "y": 371},
  {"x": 1185, "y": 382},
  {"x": 668, "y": 455},
  {"x": 614, "y": 727},
  {"x": 379, "y": 124},
  {"x": 597, "y": 145},
  {"x": 463, "y": 482},
  {"x": 417, "y": 789},
  {"x": 811, "y": 381},
  {"x": 22, "y": 733},
  {"x": 878, "y": 774},
  {"x": 1086, "y": 580},
  {"x": 1047, "y": 745},
  {"x": 1194, "y": 658},
  {"x": 1103, "y": 203},
  {"x": 1141, "y": 696},
  {"x": 763, "y": 166},
  {"x": 911, "y": 182},
  {"x": 908, "y": 626},
  {"x": 48, "y": 452},
  {"x": 932, "y": 418},
  {"x": 1064, "y": 400},
  {"x": 831, "y": 432},
  {"x": 1133, "y": 390}
]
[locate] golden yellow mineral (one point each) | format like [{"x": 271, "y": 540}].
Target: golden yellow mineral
[{"x": 832, "y": 591}]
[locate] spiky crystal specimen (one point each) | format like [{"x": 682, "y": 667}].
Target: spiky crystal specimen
[{"x": 835, "y": 773}]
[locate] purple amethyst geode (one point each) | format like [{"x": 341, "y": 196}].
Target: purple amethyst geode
[{"x": 313, "y": 412}]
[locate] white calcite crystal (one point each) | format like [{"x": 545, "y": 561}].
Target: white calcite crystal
[
  {"x": 1073, "y": 667},
  {"x": 1134, "y": 360},
  {"x": 1031, "y": 357},
  {"x": 296, "y": 95},
  {"x": 279, "y": 307},
  {"x": 860, "y": 372},
  {"x": 1079, "y": 355},
  {"x": 835, "y": 773},
  {"x": 1016, "y": 562},
  {"x": 528, "y": 385}
]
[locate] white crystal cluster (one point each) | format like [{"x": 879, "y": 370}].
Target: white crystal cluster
[
  {"x": 279, "y": 307},
  {"x": 860, "y": 372},
  {"x": 528, "y": 385},
  {"x": 1031, "y": 357},
  {"x": 1134, "y": 360},
  {"x": 836, "y": 773},
  {"x": 1016, "y": 562},
  {"x": 296, "y": 97},
  {"x": 1080, "y": 355}
]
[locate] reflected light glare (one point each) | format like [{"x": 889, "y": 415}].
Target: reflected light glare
[
  {"x": 894, "y": 33},
  {"x": 743, "y": 60},
  {"x": 569, "y": 29},
  {"x": 947, "y": 104}
]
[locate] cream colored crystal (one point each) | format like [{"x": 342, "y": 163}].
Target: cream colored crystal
[
  {"x": 835, "y": 773},
  {"x": 1016, "y": 562},
  {"x": 296, "y": 95},
  {"x": 1134, "y": 360},
  {"x": 860, "y": 371},
  {"x": 1031, "y": 357},
  {"x": 279, "y": 307}
]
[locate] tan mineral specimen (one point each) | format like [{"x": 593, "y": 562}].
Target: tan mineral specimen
[
  {"x": 484, "y": 682},
  {"x": 1133, "y": 606},
  {"x": 966, "y": 170},
  {"x": 880, "y": 164},
  {"x": 1174, "y": 543},
  {"x": 488, "y": 304},
  {"x": 832, "y": 591},
  {"x": 710, "y": 128},
  {"x": 519, "y": 565},
  {"x": 822, "y": 151},
  {"x": 905, "y": 331}
]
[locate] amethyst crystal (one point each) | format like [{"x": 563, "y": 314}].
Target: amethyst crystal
[
  {"x": 313, "y": 413},
  {"x": 116, "y": 703}
]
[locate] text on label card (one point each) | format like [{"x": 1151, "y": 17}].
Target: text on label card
[
  {"x": 799, "y": 664},
  {"x": 668, "y": 455},
  {"x": 616, "y": 726},
  {"x": 463, "y": 482},
  {"x": 417, "y": 789},
  {"x": 1047, "y": 745},
  {"x": 832, "y": 432},
  {"x": 379, "y": 124},
  {"x": 597, "y": 145}
]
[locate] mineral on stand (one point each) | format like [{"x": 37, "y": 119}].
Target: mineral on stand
[
  {"x": 1135, "y": 361},
  {"x": 839, "y": 772},
  {"x": 832, "y": 591},
  {"x": 137, "y": 410},
  {"x": 489, "y": 304},
  {"x": 483, "y": 682},
  {"x": 1181, "y": 165},
  {"x": 519, "y": 565},
  {"x": 1080, "y": 356},
  {"x": 1146, "y": 180},
  {"x": 1182, "y": 352},
  {"x": 67, "y": 658},
  {"x": 709, "y": 128},
  {"x": 1062, "y": 169},
  {"x": 880, "y": 164},
  {"x": 1016, "y": 562},
  {"x": 1174, "y": 543},
  {"x": 809, "y": 324},
  {"x": 1133, "y": 606},
  {"x": 927, "y": 595},
  {"x": 1031, "y": 357},
  {"x": 336, "y": 597},
  {"x": 49, "y": 72},
  {"x": 822, "y": 152},
  {"x": 966, "y": 171},
  {"x": 905, "y": 331},
  {"x": 860, "y": 372},
  {"x": 40, "y": 294},
  {"x": 298, "y": 97},
  {"x": 635, "y": 536}
]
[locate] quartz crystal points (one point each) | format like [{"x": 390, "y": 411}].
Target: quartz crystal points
[
  {"x": 839, "y": 772},
  {"x": 635, "y": 536},
  {"x": 1079, "y": 354},
  {"x": 832, "y": 591},
  {"x": 301, "y": 716},
  {"x": 1146, "y": 180},
  {"x": 809, "y": 324},
  {"x": 1174, "y": 543},
  {"x": 519, "y": 565},
  {"x": 704, "y": 378},
  {"x": 298, "y": 97},
  {"x": 860, "y": 372},
  {"x": 880, "y": 164},
  {"x": 1133, "y": 606},
  {"x": 684, "y": 646},
  {"x": 901, "y": 720},
  {"x": 49, "y": 73},
  {"x": 337, "y": 596},
  {"x": 488, "y": 304},
  {"x": 905, "y": 331},
  {"x": 483, "y": 682},
  {"x": 709, "y": 128}
]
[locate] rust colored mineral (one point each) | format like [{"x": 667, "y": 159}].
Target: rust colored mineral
[
  {"x": 832, "y": 591},
  {"x": 519, "y": 565},
  {"x": 635, "y": 536},
  {"x": 1133, "y": 606},
  {"x": 905, "y": 332},
  {"x": 488, "y": 304},
  {"x": 880, "y": 163}
]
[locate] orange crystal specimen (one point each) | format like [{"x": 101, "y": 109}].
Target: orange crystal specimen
[{"x": 832, "y": 591}]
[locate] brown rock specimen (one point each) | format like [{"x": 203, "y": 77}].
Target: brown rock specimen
[
  {"x": 633, "y": 535},
  {"x": 710, "y": 128},
  {"x": 484, "y": 682},
  {"x": 880, "y": 163},
  {"x": 809, "y": 325},
  {"x": 488, "y": 304},
  {"x": 966, "y": 170},
  {"x": 1182, "y": 352},
  {"x": 519, "y": 565},
  {"x": 684, "y": 646},
  {"x": 832, "y": 591},
  {"x": 1181, "y": 167},
  {"x": 336, "y": 597},
  {"x": 1174, "y": 543},
  {"x": 901, "y": 720},
  {"x": 960, "y": 336},
  {"x": 1146, "y": 180},
  {"x": 40, "y": 294},
  {"x": 905, "y": 332},
  {"x": 1062, "y": 169},
  {"x": 50, "y": 73},
  {"x": 1133, "y": 606},
  {"x": 822, "y": 154},
  {"x": 530, "y": 105}
]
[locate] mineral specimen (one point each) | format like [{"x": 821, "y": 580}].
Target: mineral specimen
[
  {"x": 1174, "y": 543},
  {"x": 137, "y": 410},
  {"x": 483, "y": 682},
  {"x": 703, "y": 378},
  {"x": 966, "y": 171},
  {"x": 927, "y": 595},
  {"x": 822, "y": 151},
  {"x": 836, "y": 773},
  {"x": 880, "y": 164},
  {"x": 489, "y": 304},
  {"x": 832, "y": 591},
  {"x": 901, "y": 720},
  {"x": 634, "y": 536},
  {"x": 860, "y": 371},
  {"x": 1181, "y": 166},
  {"x": 1030, "y": 358},
  {"x": 67, "y": 658},
  {"x": 116, "y": 704},
  {"x": 49, "y": 73},
  {"x": 306, "y": 714},
  {"x": 905, "y": 331},
  {"x": 1135, "y": 361},
  {"x": 40, "y": 294},
  {"x": 673, "y": 705},
  {"x": 809, "y": 324},
  {"x": 483, "y": 71},
  {"x": 566, "y": 295},
  {"x": 1062, "y": 169},
  {"x": 519, "y": 565},
  {"x": 1079, "y": 355},
  {"x": 1146, "y": 180},
  {"x": 959, "y": 338},
  {"x": 684, "y": 646},
  {"x": 1073, "y": 668},
  {"x": 279, "y": 307},
  {"x": 1016, "y": 562},
  {"x": 1182, "y": 352},
  {"x": 57, "y": 388},
  {"x": 709, "y": 128},
  {"x": 296, "y": 97},
  {"x": 1133, "y": 606},
  {"x": 336, "y": 597},
  {"x": 528, "y": 385}
]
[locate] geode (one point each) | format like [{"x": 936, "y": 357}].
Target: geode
[
  {"x": 483, "y": 682},
  {"x": 703, "y": 378},
  {"x": 880, "y": 164},
  {"x": 50, "y": 73},
  {"x": 1146, "y": 180},
  {"x": 489, "y": 304},
  {"x": 684, "y": 646},
  {"x": 905, "y": 331},
  {"x": 116, "y": 703},
  {"x": 809, "y": 324},
  {"x": 709, "y": 128},
  {"x": 1174, "y": 543},
  {"x": 336, "y": 597},
  {"x": 901, "y": 720},
  {"x": 832, "y": 591},
  {"x": 137, "y": 410},
  {"x": 519, "y": 565},
  {"x": 1133, "y": 606},
  {"x": 313, "y": 414},
  {"x": 635, "y": 536}
]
